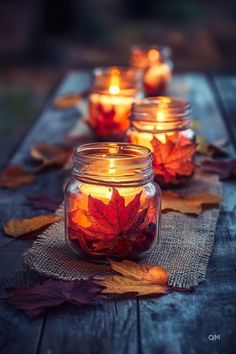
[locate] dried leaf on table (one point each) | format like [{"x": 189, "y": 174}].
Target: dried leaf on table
[
  {"x": 44, "y": 201},
  {"x": 20, "y": 227},
  {"x": 36, "y": 299},
  {"x": 173, "y": 157},
  {"x": 50, "y": 155},
  {"x": 135, "y": 278},
  {"x": 215, "y": 149},
  {"x": 15, "y": 176},
  {"x": 191, "y": 205},
  {"x": 195, "y": 124},
  {"x": 223, "y": 168},
  {"x": 69, "y": 100}
]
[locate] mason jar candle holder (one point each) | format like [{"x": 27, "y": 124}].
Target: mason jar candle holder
[
  {"x": 155, "y": 66},
  {"x": 163, "y": 125},
  {"x": 110, "y": 101},
  {"x": 112, "y": 206}
]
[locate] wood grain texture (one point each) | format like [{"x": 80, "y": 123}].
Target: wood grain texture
[
  {"x": 17, "y": 334},
  {"x": 225, "y": 89},
  {"x": 181, "y": 323}
]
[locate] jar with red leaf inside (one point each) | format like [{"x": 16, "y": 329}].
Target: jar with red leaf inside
[
  {"x": 112, "y": 206},
  {"x": 110, "y": 101},
  {"x": 163, "y": 125},
  {"x": 155, "y": 65}
]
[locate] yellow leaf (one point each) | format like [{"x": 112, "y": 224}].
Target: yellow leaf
[
  {"x": 67, "y": 101},
  {"x": 155, "y": 275},
  {"x": 117, "y": 284},
  {"x": 135, "y": 278},
  {"x": 192, "y": 205},
  {"x": 19, "y": 227}
]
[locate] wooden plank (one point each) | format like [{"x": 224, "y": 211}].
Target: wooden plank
[
  {"x": 17, "y": 333},
  {"x": 92, "y": 329},
  {"x": 225, "y": 90},
  {"x": 109, "y": 327},
  {"x": 182, "y": 323}
]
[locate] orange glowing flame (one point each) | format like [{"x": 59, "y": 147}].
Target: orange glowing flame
[
  {"x": 114, "y": 88},
  {"x": 153, "y": 55}
]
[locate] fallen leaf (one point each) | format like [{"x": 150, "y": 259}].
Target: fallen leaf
[
  {"x": 36, "y": 299},
  {"x": 214, "y": 149},
  {"x": 173, "y": 157},
  {"x": 134, "y": 278},
  {"x": 195, "y": 124},
  {"x": 192, "y": 205},
  {"x": 50, "y": 155},
  {"x": 44, "y": 201},
  {"x": 115, "y": 229},
  {"x": 223, "y": 168},
  {"x": 20, "y": 227},
  {"x": 69, "y": 100},
  {"x": 15, "y": 176}
]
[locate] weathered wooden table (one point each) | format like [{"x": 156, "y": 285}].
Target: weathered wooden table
[{"x": 199, "y": 322}]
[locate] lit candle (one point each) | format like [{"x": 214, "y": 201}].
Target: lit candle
[
  {"x": 110, "y": 101},
  {"x": 163, "y": 125},
  {"x": 156, "y": 66},
  {"x": 112, "y": 206}
]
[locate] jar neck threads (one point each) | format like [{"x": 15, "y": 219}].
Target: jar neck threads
[
  {"x": 160, "y": 114},
  {"x": 123, "y": 81},
  {"x": 119, "y": 164}
]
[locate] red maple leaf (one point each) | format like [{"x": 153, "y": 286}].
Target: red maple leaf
[
  {"x": 105, "y": 124},
  {"x": 173, "y": 158},
  {"x": 115, "y": 228}
]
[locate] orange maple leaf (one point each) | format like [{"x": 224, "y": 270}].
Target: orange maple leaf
[{"x": 173, "y": 158}]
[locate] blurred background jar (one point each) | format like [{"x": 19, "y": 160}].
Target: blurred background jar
[
  {"x": 113, "y": 92},
  {"x": 155, "y": 65}
]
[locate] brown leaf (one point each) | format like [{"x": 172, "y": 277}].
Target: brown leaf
[
  {"x": 15, "y": 176},
  {"x": 69, "y": 100},
  {"x": 214, "y": 149},
  {"x": 223, "y": 168},
  {"x": 134, "y": 278},
  {"x": 50, "y": 155},
  {"x": 20, "y": 227},
  {"x": 192, "y": 205},
  {"x": 36, "y": 299}
]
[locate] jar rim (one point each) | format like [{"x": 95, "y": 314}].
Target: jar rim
[
  {"x": 113, "y": 163},
  {"x": 90, "y": 151},
  {"x": 165, "y": 50}
]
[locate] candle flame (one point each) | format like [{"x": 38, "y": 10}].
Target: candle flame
[
  {"x": 153, "y": 55},
  {"x": 114, "y": 88}
]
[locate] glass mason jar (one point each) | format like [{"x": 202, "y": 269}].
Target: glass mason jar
[
  {"x": 155, "y": 65},
  {"x": 163, "y": 125},
  {"x": 110, "y": 101},
  {"x": 112, "y": 206}
]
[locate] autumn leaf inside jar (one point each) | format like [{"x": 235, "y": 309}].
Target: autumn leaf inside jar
[
  {"x": 110, "y": 101},
  {"x": 163, "y": 125},
  {"x": 112, "y": 205},
  {"x": 155, "y": 65}
]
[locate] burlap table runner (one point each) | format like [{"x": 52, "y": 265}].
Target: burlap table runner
[{"x": 183, "y": 248}]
